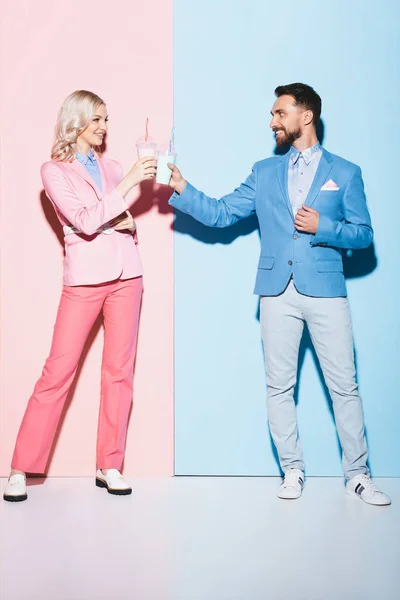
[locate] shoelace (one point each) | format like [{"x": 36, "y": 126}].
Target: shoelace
[
  {"x": 368, "y": 484},
  {"x": 291, "y": 477}
]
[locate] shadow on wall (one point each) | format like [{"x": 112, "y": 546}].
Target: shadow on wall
[{"x": 51, "y": 218}]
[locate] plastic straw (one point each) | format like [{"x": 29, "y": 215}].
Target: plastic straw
[{"x": 146, "y": 137}]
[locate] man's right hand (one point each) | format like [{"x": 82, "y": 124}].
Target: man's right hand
[{"x": 177, "y": 182}]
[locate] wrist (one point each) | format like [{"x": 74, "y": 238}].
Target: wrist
[
  {"x": 180, "y": 186},
  {"x": 133, "y": 179}
]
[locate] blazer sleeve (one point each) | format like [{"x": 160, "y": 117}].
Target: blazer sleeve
[
  {"x": 218, "y": 213},
  {"x": 354, "y": 231},
  {"x": 86, "y": 219}
]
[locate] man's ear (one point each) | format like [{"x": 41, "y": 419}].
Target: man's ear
[{"x": 308, "y": 116}]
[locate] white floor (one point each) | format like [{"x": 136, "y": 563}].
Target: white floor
[{"x": 199, "y": 539}]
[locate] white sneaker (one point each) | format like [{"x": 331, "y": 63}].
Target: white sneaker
[
  {"x": 114, "y": 482},
  {"x": 361, "y": 486},
  {"x": 16, "y": 489},
  {"x": 292, "y": 485}
]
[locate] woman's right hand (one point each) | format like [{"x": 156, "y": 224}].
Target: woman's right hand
[{"x": 145, "y": 168}]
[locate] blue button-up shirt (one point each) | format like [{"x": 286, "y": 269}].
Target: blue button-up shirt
[
  {"x": 302, "y": 169},
  {"x": 90, "y": 163}
]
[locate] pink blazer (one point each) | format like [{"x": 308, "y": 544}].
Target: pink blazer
[{"x": 91, "y": 255}]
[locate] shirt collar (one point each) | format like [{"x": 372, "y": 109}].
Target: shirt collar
[
  {"x": 86, "y": 159},
  {"x": 307, "y": 154}
]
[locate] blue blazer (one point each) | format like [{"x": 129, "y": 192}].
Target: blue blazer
[{"x": 314, "y": 261}]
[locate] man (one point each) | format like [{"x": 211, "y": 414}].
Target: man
[{"x": 310, "y": 206}]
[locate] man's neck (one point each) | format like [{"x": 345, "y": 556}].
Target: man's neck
[{"x": 305, "y": 141}]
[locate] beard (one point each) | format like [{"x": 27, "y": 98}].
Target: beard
[{"x": 287, "y": 139}]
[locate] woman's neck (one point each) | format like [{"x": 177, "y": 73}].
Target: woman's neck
[{"x": 83, "y": 148}]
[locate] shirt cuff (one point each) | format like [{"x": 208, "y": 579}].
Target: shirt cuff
[{"x": 325, "y": 231}]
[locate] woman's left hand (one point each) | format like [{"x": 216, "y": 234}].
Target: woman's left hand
[{"x": 126, "y": 222}]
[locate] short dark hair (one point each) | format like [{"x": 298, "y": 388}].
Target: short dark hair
[{"x": 303, "y": 95}]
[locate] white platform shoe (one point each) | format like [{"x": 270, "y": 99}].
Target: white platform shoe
[
  {"x": 16, "y": 489},
  {"x": 113, "y": 482}
]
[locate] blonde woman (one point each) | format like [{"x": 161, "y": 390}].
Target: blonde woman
[{"x": 102, "y": 273}]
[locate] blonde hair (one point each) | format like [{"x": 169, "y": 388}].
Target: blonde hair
[{"x": 75, "y": 115}]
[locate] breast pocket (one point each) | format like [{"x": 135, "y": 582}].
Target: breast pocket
[
  {"x": 329, "y": 203},
  {"x": 334, "y": 194}
]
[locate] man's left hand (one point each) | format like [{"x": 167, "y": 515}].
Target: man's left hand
[{"x": 306, "y": 220}]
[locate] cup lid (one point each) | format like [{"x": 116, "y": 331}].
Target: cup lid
[
  {"x": 164, "y": 149},
  {"x": 143, "y": 142}
]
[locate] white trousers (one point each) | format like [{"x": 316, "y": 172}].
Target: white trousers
[{"x": 329, "y": 324}]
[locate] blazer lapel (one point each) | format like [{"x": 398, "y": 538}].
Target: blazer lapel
[
  {"x": 321, "y": 176},
  {"x": 103, "y": 175},
  {"x": 80, "y": 169},
  {"x": 282, "y": 173}
]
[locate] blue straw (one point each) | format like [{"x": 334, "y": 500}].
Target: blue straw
[{"x": 172, "y": 140}]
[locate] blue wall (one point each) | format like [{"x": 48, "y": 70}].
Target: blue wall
[{"x": 229, "y": 57}]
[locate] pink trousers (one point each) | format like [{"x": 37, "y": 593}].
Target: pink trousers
[{"x": 78, "y": 310}]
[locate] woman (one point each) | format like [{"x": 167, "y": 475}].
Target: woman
[{"x": 102, "y": 272}]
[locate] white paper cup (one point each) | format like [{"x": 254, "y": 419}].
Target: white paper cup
[{"x": 164, "y": 156}]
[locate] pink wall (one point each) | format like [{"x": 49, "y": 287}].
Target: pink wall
[{"x": 123, "y": 54}]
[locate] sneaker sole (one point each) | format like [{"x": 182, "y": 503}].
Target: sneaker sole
[
  {"x": 355, "y": 496},
  {"x": 102, "y": 484},
  {"x": 22, "y": 498},
  {"x": 289, "y": 497}
]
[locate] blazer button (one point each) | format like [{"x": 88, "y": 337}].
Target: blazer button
[
  {"x": 295, "y": 236},
  {"x": 290, "y": 262}
]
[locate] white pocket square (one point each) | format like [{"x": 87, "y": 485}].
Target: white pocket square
[{"x": 330, "y": 186}]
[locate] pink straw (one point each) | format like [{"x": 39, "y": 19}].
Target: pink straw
[{"x": 147, "y": 130}]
